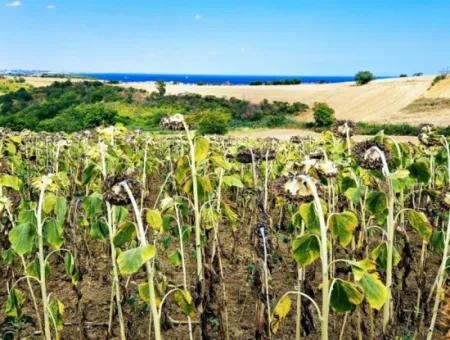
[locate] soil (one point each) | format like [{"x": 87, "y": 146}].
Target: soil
[{"x": 87, "y": 305}]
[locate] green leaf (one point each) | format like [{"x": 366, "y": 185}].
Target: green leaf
[
  {"x": 201, "y": 149},
  {"x": 175, "y": 258},
  {"x": 130, "y": 261},
  {"x": 69, "y": 266},
  {"x": 420, "y": 223},
  {"x": 54, "y": 233},
  {"x": 420, "y": 170},
  {"x": 144, "y": 292},
  {"x": 14, "y": 303},
  {"x": 377, "y": 205},
  {"x": 154, "y": 219},
  {"x": 124, "y": 234},
  {"x": 57, "y": 311},
  {"x": 9, "y": 181},
  {"x": 438, "y": 240},
  {"x": 184, "y": 301},
  {"x": 93, "y": 205},
  {"x": 375, "y": 291},
  {"x": 221, "y": 162},
  {"x": 49, "y": 202},
  {"x": 33, "y": 269},
  {"x": 345, "y": 295},
  {"x": 22, "y": 238},
  {"x": 89, "y": 173},
  {"x": 342, "y": 226},
  {"x": 279, "y": 313},
  {"x": 308, "y": 213},
  {"x": 99, "y": 229},
  {"x": 355, "y": 194},
  {"x": 233, "y": 181},
  {"x": 306, "y": 249},
  {"x": 368, "y": 280},
  {"x": 60, "y": 210},
  {"x": 379, "y": 254}
]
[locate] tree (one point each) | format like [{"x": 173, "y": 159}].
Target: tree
[
  {"x": 363, "y": 77},
  {"x": 161, "y": 87},
  {"x": 212, "y": 122},
  {"x": 323, "y": 114}
]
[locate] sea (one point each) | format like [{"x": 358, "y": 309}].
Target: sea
[{"x": 212, "y": 79}]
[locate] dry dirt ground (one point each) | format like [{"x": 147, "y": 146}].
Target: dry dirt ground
[
  {"x": 286, "y": 134},
  {"x": 381, "y": 101}
]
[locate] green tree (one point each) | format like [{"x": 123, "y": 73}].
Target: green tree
[
  {"x": 212, "y": 122},
  {"x": 363, "y": 77},
  {"x": 161, "y": 87},
  {"x": 323, "y": 114}
]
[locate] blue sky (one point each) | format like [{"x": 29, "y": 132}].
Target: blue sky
[{"x": 304, "y": 37}]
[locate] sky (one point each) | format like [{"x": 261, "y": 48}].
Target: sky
[{"x": 264, "y": 37}]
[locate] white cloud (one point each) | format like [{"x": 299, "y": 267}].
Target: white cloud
[
  {"x": 14, "y": 4},
  {"x": 198, "y": 17},
  {"x": 51, "y": 7}
]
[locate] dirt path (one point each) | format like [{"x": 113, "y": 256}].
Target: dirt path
[{"x": 286, "y": 134}]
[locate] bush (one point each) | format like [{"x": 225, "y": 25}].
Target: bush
[
  {"x": 212, "y": 122},
  {"x": 363, "y": 77},
  {"x": 161, "y": 87},
  {"x": 323, "y": 114},
  {"x": 275, "y": 121},
  {"x": 438, "y": 78},
  {"x": 403, "y": 75}
]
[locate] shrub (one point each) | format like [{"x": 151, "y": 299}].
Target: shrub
[
  {"x": 161, "y": 87},
  {"x": 212, "y": 122},
  {"x": 438, "y": 78},
  {"x": 323, "y": 114},
  {"x": 363, "y": 77},
  {"x": 403, "y": 75},
  {"x": 275, "y": 121}
]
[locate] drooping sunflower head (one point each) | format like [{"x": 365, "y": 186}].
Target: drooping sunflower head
[
  {"x": 369, "y": 154},
  {"x": 444, "y": 199},
  {"x": 114, "y": 191},
  {"x": 428, "y": 135},
  {"x": 342, "y": 128}
]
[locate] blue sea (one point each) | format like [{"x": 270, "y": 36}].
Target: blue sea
[{"x": 212, "y": 79}]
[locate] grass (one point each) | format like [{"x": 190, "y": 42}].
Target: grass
[
  {"x": 9, "y": 85},
  {"x": 428, "y": 105}
]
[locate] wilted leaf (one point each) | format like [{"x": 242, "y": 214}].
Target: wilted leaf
[
  {"x": 201, "y": 149},
  {"x": 280, "y": 312},
  {"x": 375, "y": 291},
  {"x": 420, "y": 170},
  {"x": 57, "y": 310},
  {"x": 154, "y": 219},
  {"x": 9, "y": 181},
  {"x": 420, "y": 223},
  {"x": 379, "y": 254},
  {"x": 49, "y": 202},
  {"x": 377, "y": 205},
  {"x": 124, "y": 234},
  {"x": 14, "y": 303},
  {"x": 309, "y": 215},
  {"x": 345, "y": 295},
  {"x": 306, "y": 249},
  {"x": 184, "y": 301},
  {"x": 130, "y": 261},
  {"x": 342, "y": 226}
]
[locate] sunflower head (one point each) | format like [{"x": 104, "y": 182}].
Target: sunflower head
[
  {"x": 114, "y": 192},
  {"x": 444, "y": 199},
  {"x": 342, "y": 128},
  {"x": 428, "y": 135},
  {"x": 293, "y": 189},
  {"x": 367, "y": 154}
]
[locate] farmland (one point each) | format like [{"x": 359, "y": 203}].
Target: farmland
[{"x": 115, "y": 233}]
